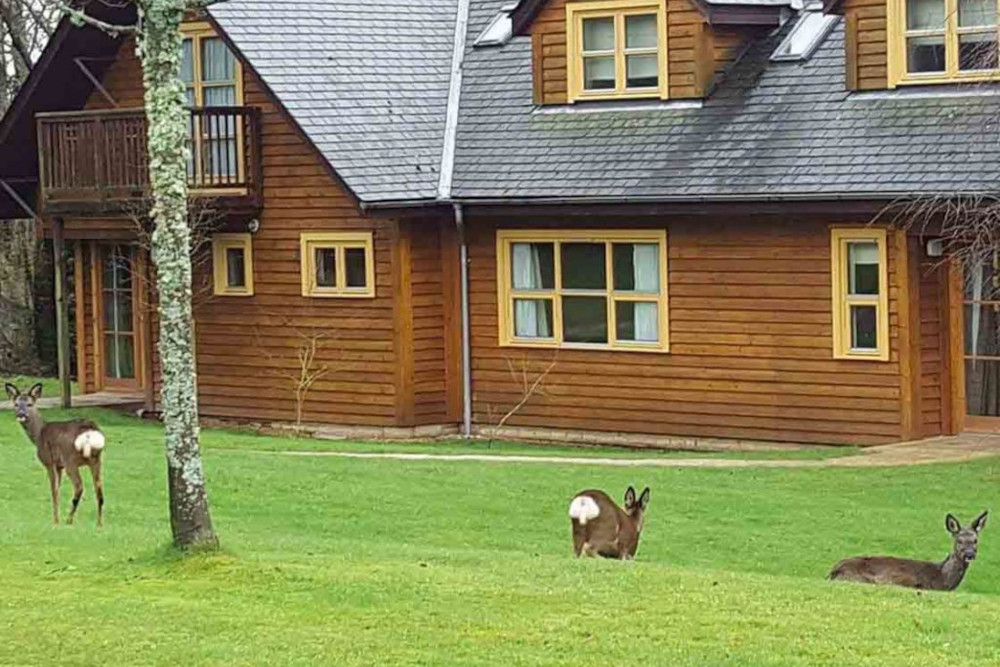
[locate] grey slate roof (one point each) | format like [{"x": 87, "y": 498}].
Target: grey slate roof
[
  {"x": 367, "y": 80},
  {"x": 771, "y": 129}
]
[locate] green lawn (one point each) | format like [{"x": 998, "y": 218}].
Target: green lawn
[{"x": 351, "y": 562}]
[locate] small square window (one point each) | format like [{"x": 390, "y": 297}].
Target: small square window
[
  {"x": 338, "y": 264},
  {"x": 232, "y": 264}
]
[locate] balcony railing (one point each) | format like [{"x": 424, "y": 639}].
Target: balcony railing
[{"x": 98, "y": 160}]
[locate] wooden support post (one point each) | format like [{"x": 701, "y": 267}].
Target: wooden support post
[{"x": 62, "y": 310}]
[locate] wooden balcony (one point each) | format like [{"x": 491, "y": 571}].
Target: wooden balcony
[{"x": 97, "y": 162}]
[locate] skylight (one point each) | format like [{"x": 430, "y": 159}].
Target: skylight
[
  {"x": 499, "y": 29},
  {"x": 803, "y": 39}
]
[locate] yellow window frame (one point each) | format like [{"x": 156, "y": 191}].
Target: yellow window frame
[
  {"x": 506, "y": 293},
  {"x": 340, "y": 242},
  {"x": 840, "y": 237},
  {"x": 221, "y": 244},
  {"x": 896, "y": 48},
  {"x": 576, "y": 12},
  {"x": 197, "y": 32}
]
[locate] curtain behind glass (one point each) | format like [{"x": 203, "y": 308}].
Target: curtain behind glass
[
  {"x": 530, "y": 317},
  {"x": 646, "y": 260}
]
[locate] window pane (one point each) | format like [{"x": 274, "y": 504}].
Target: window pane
[
  {"x": 533, "y": 318},
  {"x": 355, "y": 265},
  {"x": 925, "y": 54},
  {"x": 641, "y": 71},
  {"x": 599, "y": 73},
  {"x": 864, "y": 328},
  {"x": 982, "y": 330},
  {"x": 583, "y": 266},
  {"x": 925, "y": 14},
  {"x": 977, "y": 12},
  {"x": 220, "y": 96},
  {"x": 599, "y": 34},
  {"x": 187, "y": 62},
  {"x": 126, "y": 358},
  {"x": 977, "y": 51},
  {"x": 217, "y": 63},
  {"x": 110, "y": 356},
  {"x": 982, "y": 387},
  {"x": 326, "y": 267},
  {"x": 640, "y": 31},
  {"x": 862, "y": 268},
  {"x": 635, "y": 321},
  {"x": 235, "y": 268},
  {"x": 585, "y": 319},
  {"x": 123, "y": 268},
  {"x": 110, "y": 317},
  {"x": 533, "y": 266},
  {"x": 124, "y": 313},
  {"x": 982, "y": 282},
  {"x": 636, "y": 267}
]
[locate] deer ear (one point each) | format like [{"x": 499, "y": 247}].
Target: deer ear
[
  {"x": 644, "y": 498},
  {"x": 36, "y": 391},
  {"x": 12, "y": 391},
  {"x": 952, "y": 524},
  {"x": 980, "y": 521},
  {"x": 630, "y": 497}
]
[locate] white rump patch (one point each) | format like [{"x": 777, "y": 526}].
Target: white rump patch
[
  {"x": 584, "y": 509},
  {"x": 89, "y": 442}
]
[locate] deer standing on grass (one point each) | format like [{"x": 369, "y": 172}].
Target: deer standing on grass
[
  {"x": 62, "y": 446},
  {"x": 944, "y": 576},
  {"x": 601, "y": 528}
]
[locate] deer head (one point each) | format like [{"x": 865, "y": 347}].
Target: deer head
[
  {"x": 966, "y": 539},
  {"x": 636, "y": 508},
  {"x": 24, "y": 403}
]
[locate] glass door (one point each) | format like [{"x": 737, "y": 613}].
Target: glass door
[
  {"x": 982, "y": 345},
  {"x": 118, "y": 318}
]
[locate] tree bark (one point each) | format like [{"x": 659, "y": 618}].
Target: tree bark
[{"x": 159, "y": 48}]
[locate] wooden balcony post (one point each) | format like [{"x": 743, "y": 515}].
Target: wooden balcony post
[{"x": 62, "y": 311}]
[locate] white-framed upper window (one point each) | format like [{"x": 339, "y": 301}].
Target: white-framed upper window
[{"x": 807, "y": 34}]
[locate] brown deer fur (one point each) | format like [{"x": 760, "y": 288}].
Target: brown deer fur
[
  {"x": 60, "y": 448},
  {"x": 943, "y": 576},
  {"x": 601, "y": 528}
]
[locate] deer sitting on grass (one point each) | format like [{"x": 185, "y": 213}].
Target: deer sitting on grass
[
  {"x": 944, "y": 576},
  {"x": 601, "y": 528},
  {"x": 62, "y": 446}
]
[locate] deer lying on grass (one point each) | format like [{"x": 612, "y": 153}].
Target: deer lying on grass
[
  {"x": 944, "y": 576},
  {"x": 62, "y": 446},
  {"x": 601, "y": 528}
]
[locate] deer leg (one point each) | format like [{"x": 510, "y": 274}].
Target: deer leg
[
  {"x": 54, "y": 488},
  {"x": 95, "y": 473},
  {"x": 74, "y": 476}
]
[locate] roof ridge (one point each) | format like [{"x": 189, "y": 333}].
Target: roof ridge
[{"x": 447, "y": 170}]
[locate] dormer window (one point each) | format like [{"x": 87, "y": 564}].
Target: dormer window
[
  {"x": 617, "y": 50},
  {"x": 944, "y": 40}
]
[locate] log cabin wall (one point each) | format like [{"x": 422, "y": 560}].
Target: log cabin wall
[
  {"x": 934, "y": 349},
  {"x": 750, "y": 356},
  {"x": 696, "y": 52},
  {"x": 865, "y": 41},
  {"x": 247, "y": 347}
]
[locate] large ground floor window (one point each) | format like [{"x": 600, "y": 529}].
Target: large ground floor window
[{"x": 583, "y": 288}]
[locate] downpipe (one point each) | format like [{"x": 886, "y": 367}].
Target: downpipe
[{"x": 466, "y": 344}]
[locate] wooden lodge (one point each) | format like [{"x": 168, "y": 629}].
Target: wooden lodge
[{"x": 649, "y": 221}]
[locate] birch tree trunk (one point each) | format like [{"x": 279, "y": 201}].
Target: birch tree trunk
[{"x": 159, "y": 47}]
